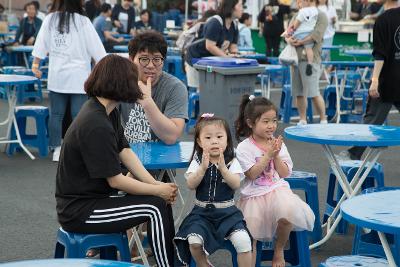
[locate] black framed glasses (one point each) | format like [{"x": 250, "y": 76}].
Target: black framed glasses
[{"x": 157, "y": 61}]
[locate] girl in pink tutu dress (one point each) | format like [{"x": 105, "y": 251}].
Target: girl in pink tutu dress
[{"x": 270, "y": 208}]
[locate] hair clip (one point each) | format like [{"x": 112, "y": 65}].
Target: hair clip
[
  {"x": 207, "y": 115},
  {"x": 251, "y": 97}
]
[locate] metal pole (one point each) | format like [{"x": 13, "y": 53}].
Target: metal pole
[{"x": 186, "y": 11}]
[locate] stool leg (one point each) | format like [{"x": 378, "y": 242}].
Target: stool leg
[
  {"x": 312, "y": 200},
  {"x": 59, "y": 251}
]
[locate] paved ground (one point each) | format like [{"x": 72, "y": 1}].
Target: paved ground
[{"x": 28, "y": 221}]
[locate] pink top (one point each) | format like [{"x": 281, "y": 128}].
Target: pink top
[{"x": 248, "y": 153}]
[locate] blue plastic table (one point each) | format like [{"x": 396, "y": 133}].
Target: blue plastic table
[
  {"x": 157, "y": 155},
  {"x": 12, "y": 83},
  {"x": 374, "y": 137},
  {"x": 123, "y": 35},
  {"x": 358, "y": 52},
  {"x": 25, "y": 50},
  {"x": 68, "y": 263},
  {"x": 121, "y": 48},
  {"x": 378, "y": 211},
  {"x": 269, "y": 71},
  {"x": 362, "y": 67}
]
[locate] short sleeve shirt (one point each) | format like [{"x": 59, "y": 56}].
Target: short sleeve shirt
[
  {"x": 170, "y": 96},
  {"x": 213, "y": 30},
  {"x": 89, "y": 155},
  {"x": 101, "y": 24}
]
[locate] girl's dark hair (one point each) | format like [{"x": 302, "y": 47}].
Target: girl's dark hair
[
  {"x": 144, "y": 11},
  {"x": 201, "y": 123},
  {"x": 245, "y": 16},
  {"x": 251, "y": 110},
  {"x": 115, "y": 78},
  {"x": 66, "y": 10},
  {"x": 226, "y": 7},
  {"x": 149, "y": 40}
]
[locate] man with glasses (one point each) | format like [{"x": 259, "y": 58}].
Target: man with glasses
[{"x": 162, "y": 112}]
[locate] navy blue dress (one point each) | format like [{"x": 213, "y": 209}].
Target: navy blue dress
[{"x": 212, "y": 225}]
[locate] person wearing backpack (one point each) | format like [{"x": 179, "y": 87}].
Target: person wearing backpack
[{"x": 220, "y": 37}]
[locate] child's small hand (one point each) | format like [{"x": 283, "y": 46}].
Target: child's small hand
[
  {"x": 205, "y": 159},
  {"x": 221, "y": 162},
  {"x": 274, "y": 147}
]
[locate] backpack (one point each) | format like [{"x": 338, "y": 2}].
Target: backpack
[{"x": 195, "y": 33}]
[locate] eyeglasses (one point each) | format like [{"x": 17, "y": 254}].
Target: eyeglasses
[{"x": 157, "y": 61}]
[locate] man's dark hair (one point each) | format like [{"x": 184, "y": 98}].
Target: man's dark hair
[
  {"x": 226, "y": 7},
  {"x": 37, "y": 5},
  {"x": 149, "y": 40},
  {"x": 30, "y": 4},
  {"x": 245, "y": 16},
  {"x": 144, "y": 11},
  {"x": 105, "y": 7},
  {"x": 115, "y": 78}
]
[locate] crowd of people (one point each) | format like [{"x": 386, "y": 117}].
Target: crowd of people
[{"x": 101, "y": 185}]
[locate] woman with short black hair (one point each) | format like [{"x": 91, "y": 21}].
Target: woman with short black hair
[{"x": 89, "y": 173}]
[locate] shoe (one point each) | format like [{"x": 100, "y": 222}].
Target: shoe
[
  {"x": 343, "y": 155},
  {"x": 323, "y": 122},
  {"x": 301, "y": 122},
  {"x": 93, "y": 252},
  {"x": 56, "y": 153},
  {"x": 309, "y": 70}
]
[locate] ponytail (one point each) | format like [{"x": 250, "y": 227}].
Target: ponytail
[{"x": 241, "y": 127}]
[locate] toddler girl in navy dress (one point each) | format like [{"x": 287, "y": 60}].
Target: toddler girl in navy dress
[{"x": 215, "y": 174}]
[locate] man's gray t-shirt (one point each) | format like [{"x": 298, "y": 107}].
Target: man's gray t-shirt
[{"x": 170, "y": 96}]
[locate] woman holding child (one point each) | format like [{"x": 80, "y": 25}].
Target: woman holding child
[{"x": 303, "y": 85}]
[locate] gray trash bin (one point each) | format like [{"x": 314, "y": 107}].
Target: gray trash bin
[{"x": 221, "y": 88}]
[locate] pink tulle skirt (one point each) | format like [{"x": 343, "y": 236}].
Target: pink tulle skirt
[{"x": 262, "y": 213}]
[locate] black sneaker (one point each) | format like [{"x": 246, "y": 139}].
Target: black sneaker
[{"x": 309, "y": 70}]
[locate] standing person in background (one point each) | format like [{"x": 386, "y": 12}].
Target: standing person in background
[
  {"x": 29, "y": 26},
  {"x": 103, "y": 26},
  {"x": 70, "y": 41},
  {"x": 92, "y": 8},
  {"x": 384, "y": 89},
  {"x": 245, "y": 40},
  {"x": 145, "y": 21},
  {"x": 39, "y": 13},
  {"x": 330, "y": 13},
  {"x": 123, "y": 17},
  {"x": 220, "y": 38},
  {"x": 270, "y": 22},
  {"x": 304, "y": 86}
]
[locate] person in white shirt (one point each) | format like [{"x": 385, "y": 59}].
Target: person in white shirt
[
  {"x": 302, "y": 26},
  {"x": 245, "y": 40},
  {"x": 70, "y": 41},
  {"x": 330, "y": 13}
]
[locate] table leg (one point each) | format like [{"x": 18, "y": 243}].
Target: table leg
[
  {"x": 386, "y": 248},
  {"x": 349, "y": 189}
]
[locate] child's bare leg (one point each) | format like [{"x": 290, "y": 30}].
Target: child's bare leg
[
  {"x": 309, "y": 54},
  {"x": 198, "y": 255},
  {"x": 243, "y": 246},
  {"x": 254, "y": 253},
  {"x": 245, "y": 259},
  {"x": 282, "y": 235}
]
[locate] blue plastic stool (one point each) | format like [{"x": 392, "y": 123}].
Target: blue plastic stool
[
  {"x": 76, "y": 245},
  {"x": 353, "y": 261},
  {"x": 374, "y": 179},
  {"x": 369, "y": 243},
  {"x": 298, "y": 255},
  {"x": 173, "y": 65},
  {"x": 228, "y": 246},
  {"x": 29, "y": 92},
  {"x": 193, "y": 110},
  {"x": 286, "y": 111},
  {"x": 330, "y": 101},
  {"x": 307, "y": 182},
  {"x": 40, "y": 140}
]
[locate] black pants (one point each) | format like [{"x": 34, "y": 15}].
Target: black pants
[
  {"x": 119, "y": 213},
  {"x": 376, "y": 113},
  {"x": 272, "y": 45}
]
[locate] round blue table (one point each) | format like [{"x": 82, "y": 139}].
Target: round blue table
[
  {"x": 358, "y": 52},
  {"x": 157, "y": 155},
  {"x": 121, "y": 48},
  {"x": 12, "y": 83},
  {"x": 378, "y": 211},
  {"x": 24, "y": 49},
  {"x": 68, "y": 263},
  {"x": 374, "y": 137}
]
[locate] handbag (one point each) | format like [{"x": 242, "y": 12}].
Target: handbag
[{"x": 288, "y": 56}]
